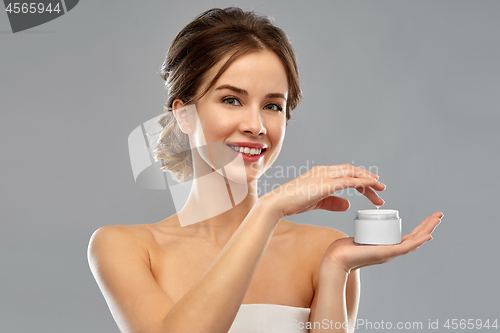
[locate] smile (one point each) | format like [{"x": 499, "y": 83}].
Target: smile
[
  {"x": 251, "y": 152},
  {"x": 246, "y": 150}
]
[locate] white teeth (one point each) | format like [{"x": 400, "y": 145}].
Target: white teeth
[{"x": 247, "y": 150}]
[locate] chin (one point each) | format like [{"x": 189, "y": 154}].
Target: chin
[{"x": 240, "y": 175}]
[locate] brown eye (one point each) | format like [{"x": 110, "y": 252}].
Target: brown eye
[
  {"x": 231, "y": 101},
  {"x": 274, "y": 107}
]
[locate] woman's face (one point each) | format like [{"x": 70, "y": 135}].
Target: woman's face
[{"x": 244, "y": 110}]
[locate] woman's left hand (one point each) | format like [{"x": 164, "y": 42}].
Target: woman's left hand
[{"x": 346, "y": 254}]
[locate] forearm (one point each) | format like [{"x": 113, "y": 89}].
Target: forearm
[
  {"x": 331, "y": 309},
  {"x": 212, "y": 303}
]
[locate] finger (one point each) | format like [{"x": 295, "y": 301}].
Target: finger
[
  {"x": 432, "y": 223},
  {"x": 429, "y": 224},
  {"x": 371, "y": 195},
  {"x": 414, "y": 231},
  {"x": 320, "y": 188},
  {"x": 439, "y": 215},
  {"x": 339, "y": 171},
  {"x": 346, "y": 182},
  {"x": 334, "y": 204},
  {"x": 403, "y": 238},
  {"x": 413, "y": 244},
  {"x": 345, "y": 171},
  {"x": 426, "y": 227},
  {"x": 361, "y": 172},
  {"x": 379, "y": 186}
]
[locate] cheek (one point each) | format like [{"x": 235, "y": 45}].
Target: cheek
[
  {"x": 276, "y": 134},
  {"x": 216, "y": 127}
]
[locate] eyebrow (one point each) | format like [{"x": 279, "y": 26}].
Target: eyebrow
[{"x": 244, "y": 92}]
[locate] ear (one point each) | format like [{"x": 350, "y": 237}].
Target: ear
[{"x": 184, "y": 117}]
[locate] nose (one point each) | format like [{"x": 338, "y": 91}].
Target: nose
[{"x": 253, "y": 123}]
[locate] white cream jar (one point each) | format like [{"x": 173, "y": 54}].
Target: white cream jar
[{"x": 377, "y": 227}]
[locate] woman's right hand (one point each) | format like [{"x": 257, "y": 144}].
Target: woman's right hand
[{"x": 314, "y": 189}]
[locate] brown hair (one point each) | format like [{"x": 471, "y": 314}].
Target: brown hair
[{"x": 211, "y": 37}]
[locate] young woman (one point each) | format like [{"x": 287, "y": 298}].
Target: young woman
[{"x": 232, "y": 81}]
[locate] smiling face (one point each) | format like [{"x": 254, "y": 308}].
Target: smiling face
[{"x": 244, "y": 111}]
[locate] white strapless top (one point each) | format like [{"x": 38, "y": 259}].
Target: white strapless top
[{"x": 270, "y": 318}]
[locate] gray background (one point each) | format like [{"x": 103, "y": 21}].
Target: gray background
[{"x": 408, "y": 87}]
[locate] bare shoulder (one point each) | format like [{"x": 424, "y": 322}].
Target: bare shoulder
[
  {"x": 314, "y": 241},
  {"x": 120, "y": 239},
  {"x": 312, "y": 233},
  {"x": 310, "y": 240},
  {"x": 119, "y": 259},
  {"x": 132, "y": 233}
]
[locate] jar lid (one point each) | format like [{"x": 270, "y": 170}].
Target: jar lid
[{"x": 377, "y": 214}]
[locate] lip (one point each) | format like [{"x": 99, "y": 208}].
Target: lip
[
  {"x": 248, "y": 144},
  {"x": 253, "y": 158}
]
